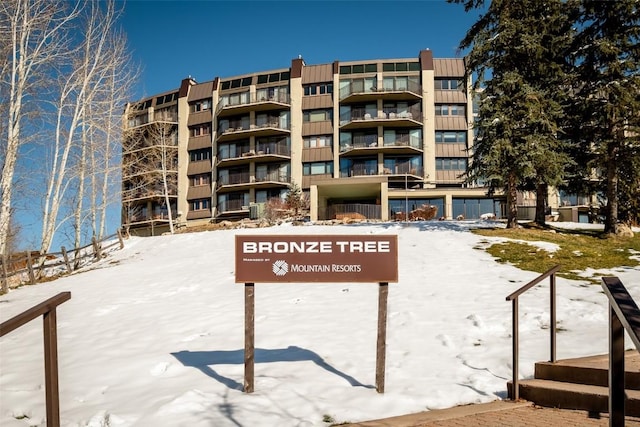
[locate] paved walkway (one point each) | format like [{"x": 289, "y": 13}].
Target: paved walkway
[{"x": 498, "y": 414}]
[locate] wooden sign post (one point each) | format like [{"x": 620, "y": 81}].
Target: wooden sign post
[{"x": 298, "y": 258}]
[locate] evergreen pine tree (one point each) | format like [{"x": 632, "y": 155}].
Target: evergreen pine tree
[
  {"x": 522, "y": 45},
  {"x": 606, "y": 111}
]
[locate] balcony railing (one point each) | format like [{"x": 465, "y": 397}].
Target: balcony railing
[
  {"x": 359, "y": 88},
  {"x": 404, "y": 141},
  {"x": 233, "y": 153},
  {"x": 359, "y": 170},
  {"x": 403, "y": 169},
  {"x": 240, "y": 128},
  {"x": 254, "y": 98},
  {"x": 234, "y": 179},
  {"x": 154, "y": 217},
  {"x": 274, "y": 177},
  {"x": 412, "y": 113},
  {"x": 278, "y": 149},
  {"x": 232, "y": 205}
]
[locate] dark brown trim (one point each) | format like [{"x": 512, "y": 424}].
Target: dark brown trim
[
  {"x": 184, "y": 87},
  {"x": 426, "y": 60},
  {"x": 296, "y": 68},
  {"x": 336, "y": 67},
  {"x": 216, "y": 82}
]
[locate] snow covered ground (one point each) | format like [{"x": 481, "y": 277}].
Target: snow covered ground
[{"x": 154, "y": 334}]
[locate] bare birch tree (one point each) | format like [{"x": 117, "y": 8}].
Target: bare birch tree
[
  {"x": 34, "y": 39},
  {"x": 79, "y": 112},
  {"x": 150, "y": 162}
]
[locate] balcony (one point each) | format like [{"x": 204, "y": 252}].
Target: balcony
[
  {"x": 233, "y": 206},
  {"x": 253, "y": 102},
  {"x": 233, "y": 180},
  {"x": 270, "y": 128},
  {"x": 275, "y": 177},
  {"x": 403, "y": 169},
  {"x": 405, "y": 91},
  {"x": 269, "y": 152},
  {"x": 399, "y": 118}
]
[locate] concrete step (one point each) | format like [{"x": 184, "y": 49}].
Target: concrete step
[
  {"x": 566, "y": 395},
  {"x": 592, "y": 370}
]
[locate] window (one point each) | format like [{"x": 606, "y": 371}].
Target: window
[
  {"x": 202, "y": 105},
  {"x": 198, "y": 155},
  {"x": 138, "y": 120},
  {"x": 238, "y": 98},
  {"x": 199, "y": 130},
  {"x": 358, "y": 69},
  {"x": 273, "y": 93},
  {"x": 317, "y": 141},
  {"x": 317, "y": 168},
  {"x": 450, "y": 110},
  {"x": 411, "y": 137},
  {"x": 236, "y": 83},
  {"x": 316, "y": 115},
  {"x": 451, "y": 163},
  {"x": 448, "y": 84},
  {"x": 163, "y": 99},
  {"x": 169, "y": 114},
  {"x": 401, "y": 66},
  {"x": 200, "y": 204},
  {"x": 202, "y": 179},
  {"x": 451, "y": 136},
  {"x": 273, "y": 77},
  {"x": 318, "y": 89}
]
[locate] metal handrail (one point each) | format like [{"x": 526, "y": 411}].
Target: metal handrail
[
  {"x": 623, "y": 315},
  {"x": 47, "y": 310},
  {"x": 513, "y": 297}
]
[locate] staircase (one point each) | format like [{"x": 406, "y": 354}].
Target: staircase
[{"x": 581, "y": 383}]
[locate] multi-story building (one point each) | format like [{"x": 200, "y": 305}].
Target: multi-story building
[{"x": 376, "y": 138}]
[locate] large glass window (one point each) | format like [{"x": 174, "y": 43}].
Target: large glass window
[
  {"x": 317, "y": 168},
  {"x": 451, "y": 136},
  {"x": 450, "y": 110},
  {"x": 198, "y": 155},
  {"x": 451, "y": 163},
  {"x": 317, "y": 141},
  {"x": 317, "y": 115},
  {"x": 202, "y": 105},
  {"x": 448, "y": 84}
]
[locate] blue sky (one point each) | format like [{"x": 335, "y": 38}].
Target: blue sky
[{"x": 206, "y": 39}]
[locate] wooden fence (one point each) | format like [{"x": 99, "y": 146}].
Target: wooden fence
[{"x": 32, "y": 268}]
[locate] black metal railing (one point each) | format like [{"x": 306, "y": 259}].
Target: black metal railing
[
  {"x": 551, "y": 273},
  {"x": 623, "y": 315}
]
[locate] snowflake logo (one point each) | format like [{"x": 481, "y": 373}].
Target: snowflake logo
[{"x": 280, "y": 268}]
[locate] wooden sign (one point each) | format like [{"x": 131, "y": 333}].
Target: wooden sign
[{"x": 316, "y": 258}]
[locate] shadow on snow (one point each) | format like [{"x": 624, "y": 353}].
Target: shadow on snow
[{"x": 203, "y": 360}]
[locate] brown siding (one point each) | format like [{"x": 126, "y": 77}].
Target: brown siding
[
  {"x": 448, "y": 67},
  {"x": 450, "y": 96},
  {"x": 451, "y": 150},
  {"x": 450, "y": 123},
  {"x": 204, "y": 213},
  {"x": 199, "y": 117},
  {"x": 201, "y": 91},
  {"x": 202, "y": 166},
  {"x": 317, "y": 154},
  {"x": 296, "y": 68},
  {"x": 199, "y": 192},
  {"x": 317, "y": 101},
  {"x": 307, "y": 180},
  {"x": 317, "y": 128},
  {"x": 448, "y": 176},
  {"x": 317, "y": 74},
  {"x": 426, "y": 60},
  {"x": 199, "y": 142}
]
